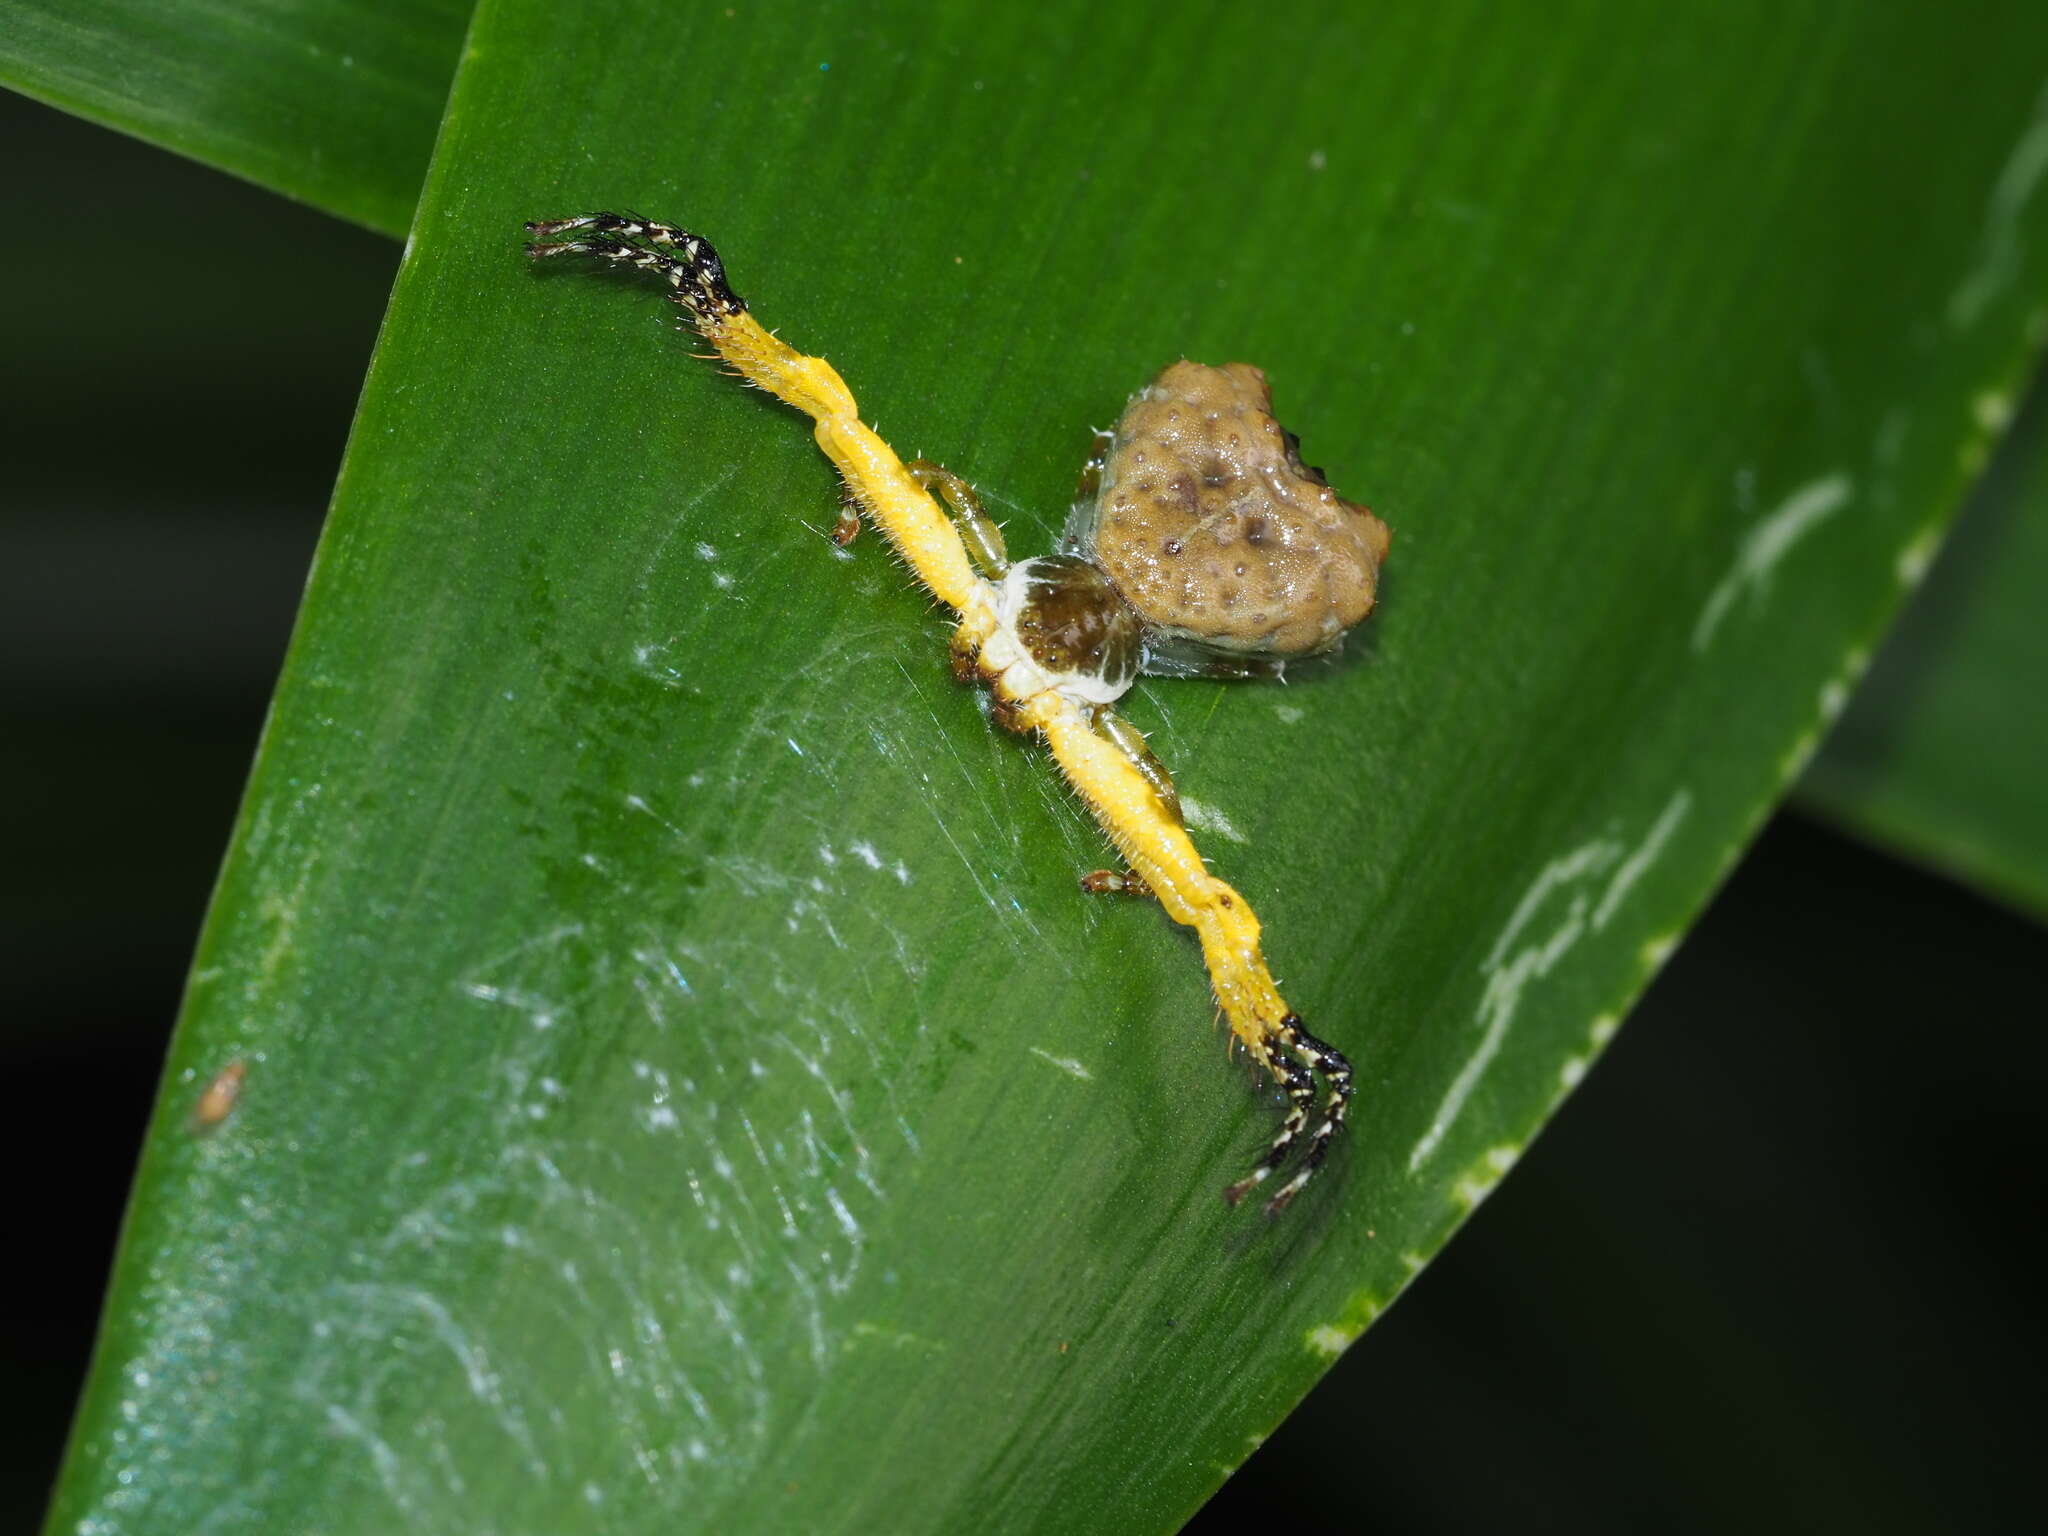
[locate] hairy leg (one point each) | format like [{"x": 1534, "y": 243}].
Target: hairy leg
[
  {"x": 1161, "y": 854},
  {"x": 890, "y": 494},
  {"x": 1131, "y": 741},
  {"x": 984, "y": 538}
]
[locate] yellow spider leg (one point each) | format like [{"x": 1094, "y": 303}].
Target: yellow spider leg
[
  {"x": 901, "y": 508},
  {"x": 1161, "y": 853},
  {"x": 904, "y": 511},
  {"x": 1164, "y": 856},
  {"x": 980, "y": 532}
]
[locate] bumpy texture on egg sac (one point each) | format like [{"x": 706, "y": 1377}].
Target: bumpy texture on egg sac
[{"x": 1214, "y": 530}]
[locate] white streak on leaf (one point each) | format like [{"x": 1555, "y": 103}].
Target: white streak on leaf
[
  {"x": 1484, "y": 1177},
  {"x": 1631, "y": 870},
  {"x": 1506, "y": 977},
  {"x": 1209, "y": 819},
  {"x": 1065, "y": 1064},
  {"x": 1522, "y": 954},
  {"x": 1767, "y": 543},
  {"x": 2000, "y": 250},
  {"x": 1918, "y": 555},
  {"x": 1329, "y": 1341}
]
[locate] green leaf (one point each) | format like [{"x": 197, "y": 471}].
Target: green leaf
[
  {"x": 683, "y": 1085},
  {"x": 1940, "y": 755},
  {"x": 333, "y": 102}
]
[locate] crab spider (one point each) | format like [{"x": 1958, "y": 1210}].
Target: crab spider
[{"x": 1209, "y": 549}]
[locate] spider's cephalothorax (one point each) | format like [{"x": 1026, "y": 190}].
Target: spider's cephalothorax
[
  {"x": 1056, "y": 625},
  {"x": 1204, "y": 546}
]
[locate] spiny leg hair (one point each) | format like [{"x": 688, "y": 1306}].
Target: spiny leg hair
[
  {"x": 1297, "y": 1076},
  {"x": 1336, "y": 1071},
  {"x": 697, "y": 275}
]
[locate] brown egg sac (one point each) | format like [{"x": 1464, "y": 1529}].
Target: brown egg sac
[{"x": 1215, "y": 531}]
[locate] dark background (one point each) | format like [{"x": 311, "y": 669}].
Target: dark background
[{"x": 1776, "y": 1266}]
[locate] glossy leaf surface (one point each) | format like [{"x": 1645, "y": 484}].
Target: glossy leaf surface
[{"x": 684, "y": 1087}]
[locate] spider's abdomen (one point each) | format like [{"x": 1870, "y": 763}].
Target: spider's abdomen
[{"x": 1215, "y": 531}]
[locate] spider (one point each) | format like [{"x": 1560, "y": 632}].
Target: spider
[{"x": 1201, "y": 546}]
